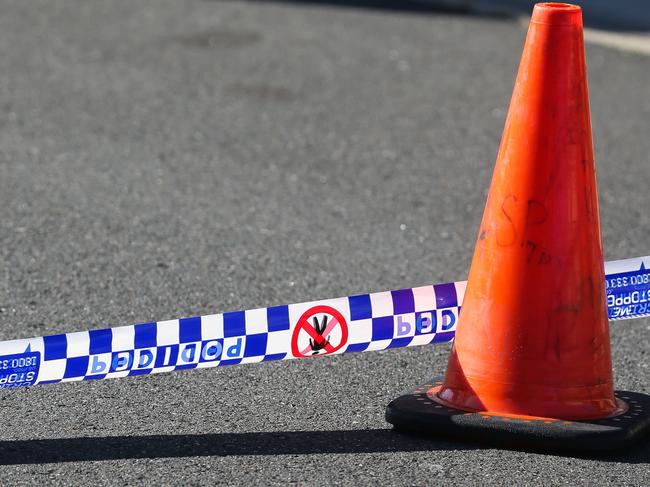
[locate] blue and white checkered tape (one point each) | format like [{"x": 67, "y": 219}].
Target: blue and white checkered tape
[
  {"x": 405, "y": 317},
  {"x": 378, "y": 321}
]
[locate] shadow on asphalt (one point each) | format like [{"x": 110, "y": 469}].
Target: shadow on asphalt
[
  {"x": 244, "y": 444},
  {"x": 420, "y": 7},
  {"x": 217, "y": 444},
  {"x": 620, "y": 16}
]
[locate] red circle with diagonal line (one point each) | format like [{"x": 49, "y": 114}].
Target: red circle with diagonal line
[{"x": 320, "y": 323}]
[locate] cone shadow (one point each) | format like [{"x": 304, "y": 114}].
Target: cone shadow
[
  {"x": 86, "y": 449},
  {"x": 61, "y": 450},
  {"x": 416, "y": 7}
]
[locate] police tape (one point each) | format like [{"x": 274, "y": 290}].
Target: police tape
[{"x": 359, "y": 323}]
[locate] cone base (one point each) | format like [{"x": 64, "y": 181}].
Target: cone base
[{"x": 417, "y": 413}]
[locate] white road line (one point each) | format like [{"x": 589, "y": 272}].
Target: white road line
[{"x": 638, "y": 43}]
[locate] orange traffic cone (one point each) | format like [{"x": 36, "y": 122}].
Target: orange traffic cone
[{"x": 531, "y": 361}]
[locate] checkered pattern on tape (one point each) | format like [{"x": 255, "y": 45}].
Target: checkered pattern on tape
[
  {"x": 375, "y": 322},
  {"x": 405, "y": 317}
]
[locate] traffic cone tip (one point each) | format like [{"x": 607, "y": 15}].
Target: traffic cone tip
[{"x": 553, "y": 13}]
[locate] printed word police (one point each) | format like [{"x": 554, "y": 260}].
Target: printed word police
[{"x": 174, "y": 356}]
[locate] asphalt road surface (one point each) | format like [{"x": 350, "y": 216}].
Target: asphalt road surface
[{"x": 161, "y": 159}]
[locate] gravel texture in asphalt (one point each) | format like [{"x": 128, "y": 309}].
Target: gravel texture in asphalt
[{"x": 161, "y": 159}]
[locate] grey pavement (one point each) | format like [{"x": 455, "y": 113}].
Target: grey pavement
[{"x": 161, "y": 159}]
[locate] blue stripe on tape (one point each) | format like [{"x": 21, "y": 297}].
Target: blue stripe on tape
[
  {"x": 382, "y": 328},
  {"x": 357, "y": 347},
  {"x": 100, "y": 341},
  {"x": 189, "y": 329},
  {"x": 256, "y": 345},
  {"x": 278, "y": 318},
  {"x": 445, "y": 295},
  {"x": 75, "y": 367},
  {"x": 274, "y": 356},
  {"x": 403, "y": 301},
  {"x": 145, "y": 335},
  {"x": 234, "y": 324},
  {"x": 55, "y": 347},
  {"x": 360, "y": 307}
]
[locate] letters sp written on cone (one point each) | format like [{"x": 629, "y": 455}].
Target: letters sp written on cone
[{"x": 533, "y": 338}]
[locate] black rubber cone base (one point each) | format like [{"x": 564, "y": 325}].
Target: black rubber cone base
[{"x": 419, "y": 414}]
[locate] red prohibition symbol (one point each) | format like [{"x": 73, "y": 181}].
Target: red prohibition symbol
[{"x": 321, "y": 330}]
